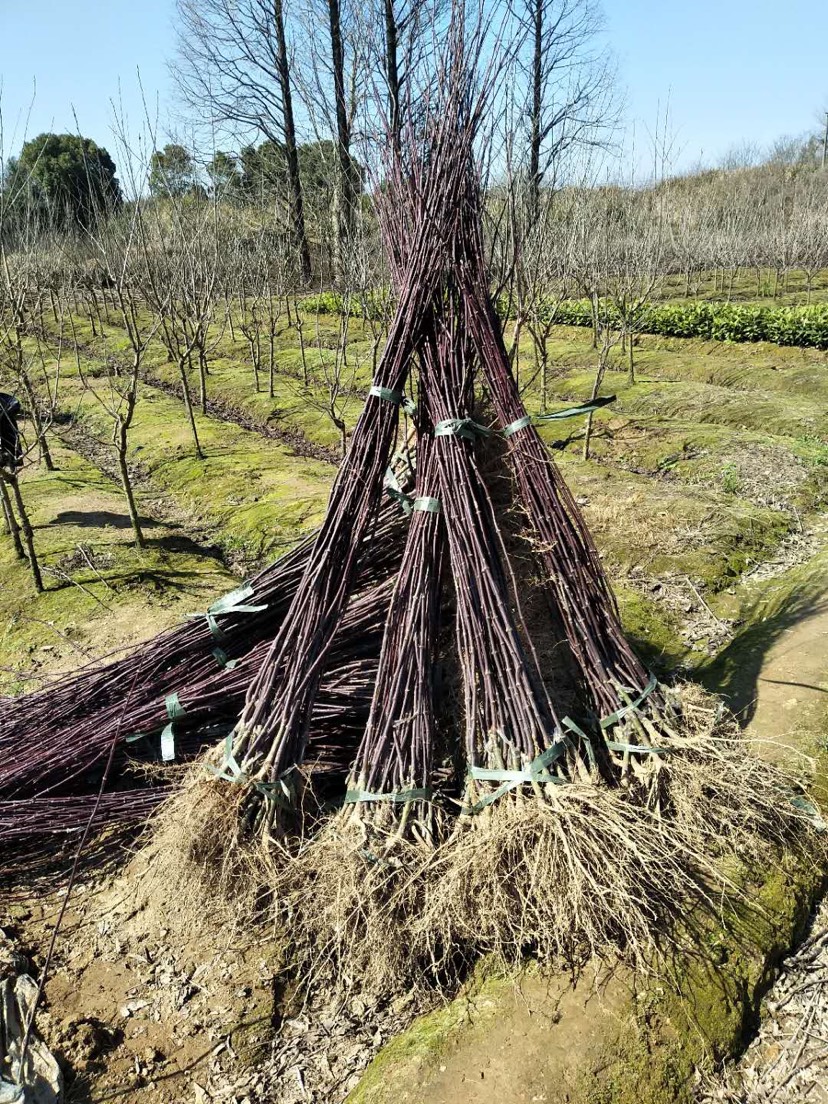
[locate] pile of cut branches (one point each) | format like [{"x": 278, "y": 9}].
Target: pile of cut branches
[{"x": 396, "y": 760}]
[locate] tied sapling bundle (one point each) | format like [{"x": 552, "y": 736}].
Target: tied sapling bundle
[
  {"x": 366, "y": 872},
  {"x": 621, "y": 694},
  {"x": 271, "y": 736},
  {"x": 55, "y": 738}
]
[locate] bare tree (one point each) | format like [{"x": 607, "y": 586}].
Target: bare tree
[
  {"x": 180, "y": 240},
  {"x": 566, "y": 81},
  {"x": 117, "y": 245},
  {"x": 23, "y": 356},
  {"x": 234, "y": 66}
]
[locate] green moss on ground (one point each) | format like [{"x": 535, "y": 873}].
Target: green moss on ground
[
  {"x": 779, "y": 413},
  {"x": 669, "y": 530},
  {"x": 254, "y": 495},
  {"x": 779, "y": 472},
  {"x": 645, "y": 1040},
  {"x": 654, "y": 631},
  {"x": 102, "y": 592}
]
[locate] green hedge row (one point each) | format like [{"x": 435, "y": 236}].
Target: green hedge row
[
  {"x": 719, "y": 321},
  {"x": 807, "y": 326}
]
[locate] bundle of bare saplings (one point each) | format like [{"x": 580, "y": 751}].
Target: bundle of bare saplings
[{"x": 427, "y": 735}]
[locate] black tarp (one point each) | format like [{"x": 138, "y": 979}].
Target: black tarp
[{"x": 11, "y": 452}]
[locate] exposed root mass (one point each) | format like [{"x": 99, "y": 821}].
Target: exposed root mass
[{"x": 556, "y": 872}]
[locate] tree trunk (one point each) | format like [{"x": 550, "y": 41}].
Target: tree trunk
[
  {"x": 632, "y": 362},
  {"x": 10, "y": 521},
  {"x": 188, "y": 403},
  {"x": 594, "y": 300},
  {"x": 271, "y": 365},
  {"x": 121, "y": 431},
  {"x": 537, "y": 107},
  {"x": 45, "y": 452},
  {"x": 300, "y": 332},
  {"x": 28, "y": 532},
  {"x": 392, "y": 73},
  {"x": 596, "y": 387},
  {"x": 587, "y": 435},
  {"x": 291, "y": 150},
  {"x": 344, "y": 213},
  {"x": 255, "y": 355},
  {"x": 202, "y": 381}
]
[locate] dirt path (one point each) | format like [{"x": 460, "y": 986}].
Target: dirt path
[
  {"x": 787, "y": 1062},
  {"x": 792, "y": 684}
]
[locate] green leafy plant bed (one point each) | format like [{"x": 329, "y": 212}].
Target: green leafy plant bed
[{"x": 805, "y": 326}]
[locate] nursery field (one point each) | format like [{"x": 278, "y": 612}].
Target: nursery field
[
  {"x": 708, "y": 473},
  {"x": 705, "y": 490}
]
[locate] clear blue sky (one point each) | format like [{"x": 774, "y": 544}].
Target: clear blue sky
[{"x": 733, "y": 70}]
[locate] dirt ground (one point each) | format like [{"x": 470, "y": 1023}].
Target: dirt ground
[{"x": 787, "y": 1061}]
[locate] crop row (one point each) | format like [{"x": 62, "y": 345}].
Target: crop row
[{"x": 805, "y": 326}]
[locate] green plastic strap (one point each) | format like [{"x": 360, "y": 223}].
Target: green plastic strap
[
  {"x": 229, "y": 771},
  {"x": 279, "y": 792},
  {"x": 569, "y": 724},
  {"x": 394, "y": 397},
  {"x": 513, "y": 427},
  {"x": 426, "y": 505},
  {"x": 556, "y": 415},
  {"x": 394, "y": 490},
  {"x": 168, "y": 743},
  {"x": 619, "y": 714},
  {"x": 175, "y": 710},
  {"x": 536, "y": 771},
  {"x": 234, "y": 602},
  {"x": 461, "y": 427},
  {"x": 386, "y": 394},
  {"x": 135, "y": 736},
  {"x": 810, "y": 810},
  {"x": 395, "y": 797},
  {"x": 220, "y": 657}
]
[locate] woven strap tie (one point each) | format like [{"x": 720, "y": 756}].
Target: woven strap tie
[
  {"x": 536, "y": 771},
  {"x": 396, "y": 398},
  {"x": 220, "y": 656},
  {"x": 461, "y": 427},
  {"x": 278, "y": 792},
  {"x": 556, "y": 415},
  {"x": 619, "y": 714},
  {"x": 394, "y": 797},
  {"x": 408, "y": 503},
  {"x": 175, "y": 711},
  {"x": 393, "y": 488},
  {"x": 234, "y": 602}
]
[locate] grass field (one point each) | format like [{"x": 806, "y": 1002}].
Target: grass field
[{"x": 714, "y": 463}]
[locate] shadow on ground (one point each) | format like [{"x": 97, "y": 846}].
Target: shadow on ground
[
  {"x": 98, "y": 519},
  {"x": 735, "y": 673}
]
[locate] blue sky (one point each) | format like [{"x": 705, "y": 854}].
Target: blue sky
[{"x": 731, "y": 70}]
